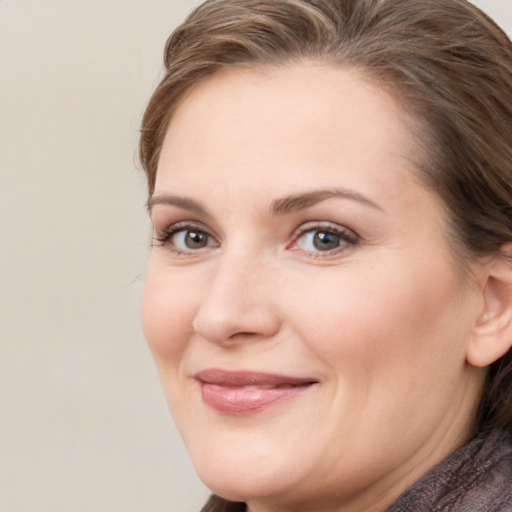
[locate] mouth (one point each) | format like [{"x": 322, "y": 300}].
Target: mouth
[{"x": 243, "y": 393}]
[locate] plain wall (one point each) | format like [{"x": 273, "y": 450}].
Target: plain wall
[{"x": 83, "y": 422}]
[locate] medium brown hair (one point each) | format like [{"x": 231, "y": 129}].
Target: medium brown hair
[{"x": 448, "y": 65}]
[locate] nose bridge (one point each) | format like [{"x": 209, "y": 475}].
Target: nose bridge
[
  {"x": 237, "y": 299},
  {"x": 231, "y": 282}
]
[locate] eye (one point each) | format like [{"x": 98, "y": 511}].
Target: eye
[
  {"x": 190, "y": 239},
  {"x": 326, "y": 239},
  {"x": 186, "y": 239}
]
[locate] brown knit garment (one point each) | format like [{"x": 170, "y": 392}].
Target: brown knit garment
[{"x": 475, "y": 478}]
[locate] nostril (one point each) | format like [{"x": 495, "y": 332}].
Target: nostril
[{"x": 244, "y": 335}]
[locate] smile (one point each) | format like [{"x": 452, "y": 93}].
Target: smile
[{"x": 245, "y": 393}]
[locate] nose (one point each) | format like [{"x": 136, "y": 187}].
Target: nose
[{"x": 237, "y": 305}]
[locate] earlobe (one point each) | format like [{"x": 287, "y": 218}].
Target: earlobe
[{"x": 492, "y": 336}]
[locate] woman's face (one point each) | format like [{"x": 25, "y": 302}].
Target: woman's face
[{"x": 302, "y": 302}]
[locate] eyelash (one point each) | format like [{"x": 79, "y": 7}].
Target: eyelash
[
  {"x": 347, "y": 237},
  {"x": 165, "y": 236}
]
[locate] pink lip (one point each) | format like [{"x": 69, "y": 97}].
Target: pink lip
[{"x": 243, "y": 393}]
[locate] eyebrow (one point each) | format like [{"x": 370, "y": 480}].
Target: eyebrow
[
  {"x": 184, "y": 203},
  {"x": 282, "y": 206},
  {"x": 297, "y": 202}
]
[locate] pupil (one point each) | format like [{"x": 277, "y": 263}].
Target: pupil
[
  {"x": 324, "y": 241},
  {"x": 195, "y": 240}
]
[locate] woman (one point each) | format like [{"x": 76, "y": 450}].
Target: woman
[{"x": 329, "y": 294}]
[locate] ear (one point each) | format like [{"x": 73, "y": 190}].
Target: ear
[{"x": 492, "y": 336}]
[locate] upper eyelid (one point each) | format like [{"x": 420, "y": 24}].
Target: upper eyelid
[
  {"x": 324, "y": 225},
  {"x": 183, "y": 225}
]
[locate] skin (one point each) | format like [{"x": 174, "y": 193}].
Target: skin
[{"x": 382, "y": 322}]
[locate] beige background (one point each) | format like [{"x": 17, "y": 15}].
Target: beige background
[{"x": 83, "y": 423}]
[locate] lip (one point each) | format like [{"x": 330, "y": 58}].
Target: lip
[{"x": 241, "y": 393}]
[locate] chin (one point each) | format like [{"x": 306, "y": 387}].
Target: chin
[
  {"x": 242, "y": 474},
  {"x": 252, "y": 489},
  {"x": 235, "y": 486}
]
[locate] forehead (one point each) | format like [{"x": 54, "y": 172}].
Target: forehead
[{"x": 280, "y": 118}]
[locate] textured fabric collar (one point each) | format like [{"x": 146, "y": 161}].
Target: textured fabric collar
[{"x": 475, "y": 478}]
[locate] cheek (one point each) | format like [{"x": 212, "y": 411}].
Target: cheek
[
  {"x": 390, "y": 341},
  {"x": 167, "y": 315},
  {"x": 383, "y": 320}
]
